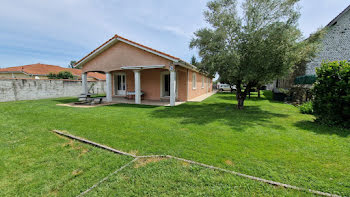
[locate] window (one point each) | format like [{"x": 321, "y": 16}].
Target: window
[
  {"x": 194, "y": 81},
  {"x": 202, "y": 81}
]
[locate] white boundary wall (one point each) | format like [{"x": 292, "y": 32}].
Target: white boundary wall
[{"x": 32, "y": 89}]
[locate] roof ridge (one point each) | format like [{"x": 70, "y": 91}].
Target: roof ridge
[
  {"x": 338, "y": 16},
  {"x": 116, "y": 36}
]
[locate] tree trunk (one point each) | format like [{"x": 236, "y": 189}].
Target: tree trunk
[
  {"x": 258, "y": 92},
  {"x": 241, "y": 96},
  {"x": 249, "y": 94},
  {"x": 240, "y": 104}
]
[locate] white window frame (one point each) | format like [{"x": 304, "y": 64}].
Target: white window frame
[{"x": 194, "y": 80}]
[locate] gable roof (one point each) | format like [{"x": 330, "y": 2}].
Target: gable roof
[
  {"x": 45, "y": 69},
  {"x": 339, "y": 16},
  {"x": 117, "y": 38}
]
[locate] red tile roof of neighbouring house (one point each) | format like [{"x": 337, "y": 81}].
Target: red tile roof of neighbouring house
[{"x": 45, "y": 69}]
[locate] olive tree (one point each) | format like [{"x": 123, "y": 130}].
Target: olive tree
[{"x": 255, "y": 47}]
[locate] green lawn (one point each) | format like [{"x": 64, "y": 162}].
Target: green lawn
[
  {"x": 35, "y": 162},
  {"x": 268, "y": 139},
  {"x": 174, "y": 178}
]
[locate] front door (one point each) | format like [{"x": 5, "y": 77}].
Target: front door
[
  {"x": 166, "y": 85},
  {"x": 120, "y": 83}
]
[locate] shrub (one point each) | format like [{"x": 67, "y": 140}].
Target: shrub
[
  {"x": 306, "y": 79},
  {"x": 61, "y": 75},
  {"x": 52, "y": 76},
  {"x": 306, "y": 108},
  {"x": 300, "y": 94},
  {"x": 65, "y": 75},
  {"x": 332, "y": 93}
]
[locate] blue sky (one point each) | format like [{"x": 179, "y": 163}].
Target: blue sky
[{"x": 57, "y": 31}]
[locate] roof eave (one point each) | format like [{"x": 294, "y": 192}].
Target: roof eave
[
  {"x": 145, "y": 49},
  {"x": 339, "y": 16},
  {"x": 113, "y": 41},
  {"x": 95, "y": 53}
]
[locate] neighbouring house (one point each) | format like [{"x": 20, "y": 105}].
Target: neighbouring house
[
  {"x": 134, "y": 69},
  {"x": 336, "y": 42},
  {"x": 41, "y": 71},
  {"x": 334, "y": 46}
]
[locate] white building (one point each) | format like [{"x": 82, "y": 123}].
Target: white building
[{"x": 335, "y": 44}]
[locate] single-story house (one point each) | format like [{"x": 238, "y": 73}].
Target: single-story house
[
  {"x": 41, "y": 71},
  {"x": 132, "y": 68}
]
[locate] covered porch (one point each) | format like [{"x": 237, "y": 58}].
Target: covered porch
[{"x": 149, "y": 85}]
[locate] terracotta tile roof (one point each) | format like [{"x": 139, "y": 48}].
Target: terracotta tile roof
[
  {"x": 97, "y": 75},
  {"x": 45, "y": 69},
  {"x": 143, "y": 46}
]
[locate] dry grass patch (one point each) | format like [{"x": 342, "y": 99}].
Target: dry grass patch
[
  {"x": 229, "y": 162},
  {"x": 134, "y": 152},
  {"x": 144, "y": 161},
  {"x": 72, "y": 143},
  {"x": 77, "y": 172}
]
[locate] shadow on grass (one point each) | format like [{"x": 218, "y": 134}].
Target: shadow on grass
[
  {"x": 65, "y": 100},
  {"x": 125, "y": 105},
  {"x": 266, "y": 95},
  {"x": 322, "y": 129},
  {"x": 221, "y": 112}
]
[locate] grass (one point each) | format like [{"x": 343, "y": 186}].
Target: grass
[
  {"x": 35, "y": 162},
  {"x": 268, "y": 139},
  {"x": 174, "y": 178}
]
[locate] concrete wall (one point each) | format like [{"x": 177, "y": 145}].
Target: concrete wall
[
  {"x": 30, "y": 89},
  {"x": 335, "y": 44}
]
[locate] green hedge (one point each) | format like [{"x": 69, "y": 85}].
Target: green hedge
[
  {"x": 332, "y": 93},
  {"x": 306, "y": 79},
  {"x": 61, "y": 75}
]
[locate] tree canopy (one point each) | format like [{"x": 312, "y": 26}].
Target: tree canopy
[
  {"x": 256, "y": 47},
  {"x": 72, "y": 64}
]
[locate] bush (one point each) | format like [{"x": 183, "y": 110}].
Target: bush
[
  {"x": 52, "y": 76},
  {"x": 300, "y": 94},
  {"x": 65, "y": 75},
  {"x": 332, "y": 93},
  {"x": 306, "y": 108},
  {"x": 306, "y": 79},
  {"x": 61, "y": 75}
]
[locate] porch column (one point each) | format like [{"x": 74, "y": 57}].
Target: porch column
[
  {"x": 172, "y": 87},
  {"x": 109, "y": 87},
  {"x": 137, "y": 86},
  {"x": 84, "y": 83}
]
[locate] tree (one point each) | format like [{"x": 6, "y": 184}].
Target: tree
[
  {"x": 255, "y": 48},
  {"x": 194, "y": 60},
  {"x": 72, "y": 64}
]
